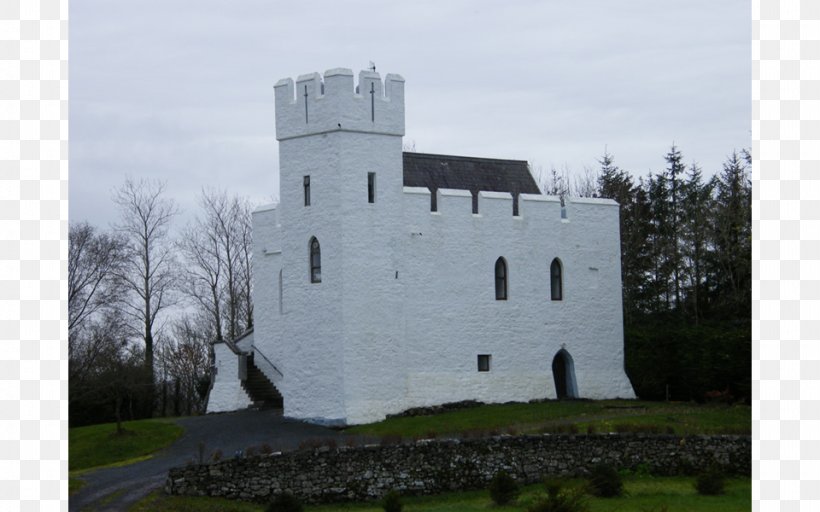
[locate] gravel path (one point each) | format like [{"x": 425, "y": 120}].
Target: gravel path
[{"x": 116, "y": 489}]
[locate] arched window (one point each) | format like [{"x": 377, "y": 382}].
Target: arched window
[
  {"x": 315, "y": 261},
  {"x": 500, "y": 279},
  {"x": 556, "y": 280}
]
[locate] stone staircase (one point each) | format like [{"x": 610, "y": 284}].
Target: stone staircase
[{"x": 260, "y": 389}]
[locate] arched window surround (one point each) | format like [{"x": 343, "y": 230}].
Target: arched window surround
[
  {"x": 315, "y": 260},
  {"x": 501, "y": 279},
  {"x": 556, "y": 280}
]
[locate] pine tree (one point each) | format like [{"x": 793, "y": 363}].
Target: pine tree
[
  {"x": 732, "y": 237},
  {"x": 697, "y": 210},
  {"x": 675, "y": 171},
  {"x": 615, "y": 183},
  {"x": 660, "y": 238}
]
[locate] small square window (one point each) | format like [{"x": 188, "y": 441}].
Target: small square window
[{"x": 484, "y": 362}]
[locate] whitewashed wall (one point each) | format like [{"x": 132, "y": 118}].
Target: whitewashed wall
[
  {"x": 227, "y": 393},
  {"x": 407, "y": 298}
]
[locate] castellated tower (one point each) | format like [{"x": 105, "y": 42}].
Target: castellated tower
[{"x": 340, "y": 158}]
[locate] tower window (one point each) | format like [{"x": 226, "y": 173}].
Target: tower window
[
  {"x": 556, "y": 280},
  {"x": 484, "y": 362},
  {"x": 306, "y": 183},
  {"x": 500, "y": 279},
  {"x": 371, "y": 187},
  {"x": 315, "y": 261}
]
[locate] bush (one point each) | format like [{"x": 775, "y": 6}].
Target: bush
[
  {"x": 503, "y": 488},
  {"x": 605, "y": 482},
  {"x": 710, "y": 482},
  {"x": 392, "y": 502},
  {"x": 285, "y": 502},
  {"x": 560, "y": 500}
]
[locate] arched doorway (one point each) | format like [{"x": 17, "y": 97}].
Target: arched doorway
[{"x": 563, "y": 371}]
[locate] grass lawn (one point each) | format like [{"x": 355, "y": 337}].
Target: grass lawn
[
  {"x": 562, "y": 416},
  {"x": 99, "y": 445},
  {"x": 644, "y": 493}
]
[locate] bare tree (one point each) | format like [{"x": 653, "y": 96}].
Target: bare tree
[
  {"x": 203, "y": 272},
  {"x": 246, "y": 260},
  {"x": 185, "y": 355},
  {"x": 106, "y": 374},
  {"x": 147, "y": 274},
  {"x": 93, "y": 259},
  {"x": 229, "y": 220},
  {"x": 585, "y": 184}
]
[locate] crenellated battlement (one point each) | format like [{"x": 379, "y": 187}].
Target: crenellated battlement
[
  {"x": 498, "y": 205},
  {"x": 317, "y": 104}
]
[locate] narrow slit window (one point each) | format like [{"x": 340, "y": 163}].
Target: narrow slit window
[
  {"x": 475, "y": 201},
  {"x": 371, "y": 187},
  {"x": 500, "y": 279},
  {"x": 515, "y": 205},
  {"x": 280, "y": 292},
  {"x": 315, "y": 261},
  {"x": 484, "y": 362},
  {"x": 306, "y": 184},
  {"x": 556, "y": 280},
  {"x": 433, "y": 200}
]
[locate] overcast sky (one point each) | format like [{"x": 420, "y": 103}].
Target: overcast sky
[{"x": 183, "y": 90}]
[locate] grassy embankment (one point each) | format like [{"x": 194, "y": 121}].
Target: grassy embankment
[
  {"x": 570, "y": 416},
  {"x": 97, "y": 446},
  {"x": 644, "y": 493}
]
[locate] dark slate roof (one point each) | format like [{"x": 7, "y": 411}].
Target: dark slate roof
[{"x": 468, "y": 173}]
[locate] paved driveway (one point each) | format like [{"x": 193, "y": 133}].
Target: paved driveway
[{"x": 116, "y": 489}]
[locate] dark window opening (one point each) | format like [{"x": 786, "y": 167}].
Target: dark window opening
[
  {"x": 500, "y": 279},
  {"x": 484, "y": 362},
  {"x": 280, "y": 292},
  {"x": 475, "y": 201},
  {"x": 556, "y": 280},
  {"x": 306, "y": 183},
  {"x": 433, "y": 200},
  {"x": 371, "y": 187},
  {"x": 515, "y": 205},
  {"x": 315, "y": 261}
]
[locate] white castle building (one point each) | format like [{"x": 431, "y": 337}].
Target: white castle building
[{"x": 386, "y": 280}]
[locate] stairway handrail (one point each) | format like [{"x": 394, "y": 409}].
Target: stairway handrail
[{"x": 273, "y": 366}]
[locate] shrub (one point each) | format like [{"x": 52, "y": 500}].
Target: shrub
[
  {"x": 503, "y": 488},
  {"x": 216, "y": 456},
  {"x": 605, "y": 482},
  {"x": 266, "y": 449},
  {"x": 284, "y": 502},
  {"x": 710, "y": 482},
  {"x": 560, "y": 500},
  {"x": 392, "y": 502},
  {"x": 250, "y": 451}
]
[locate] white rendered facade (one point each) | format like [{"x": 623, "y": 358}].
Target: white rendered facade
[{"x": 407, "y": 302}]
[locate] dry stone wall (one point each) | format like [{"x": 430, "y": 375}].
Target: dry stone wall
[{"x": 435, "y": 466}]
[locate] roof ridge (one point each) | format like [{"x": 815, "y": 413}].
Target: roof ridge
[{"x": 462, "y": 157}]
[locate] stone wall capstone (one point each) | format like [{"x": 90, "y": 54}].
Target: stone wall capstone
[{"x": 434, "y": 466}]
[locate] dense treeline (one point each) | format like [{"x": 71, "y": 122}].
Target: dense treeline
[{"x": 686, "y": 272}]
